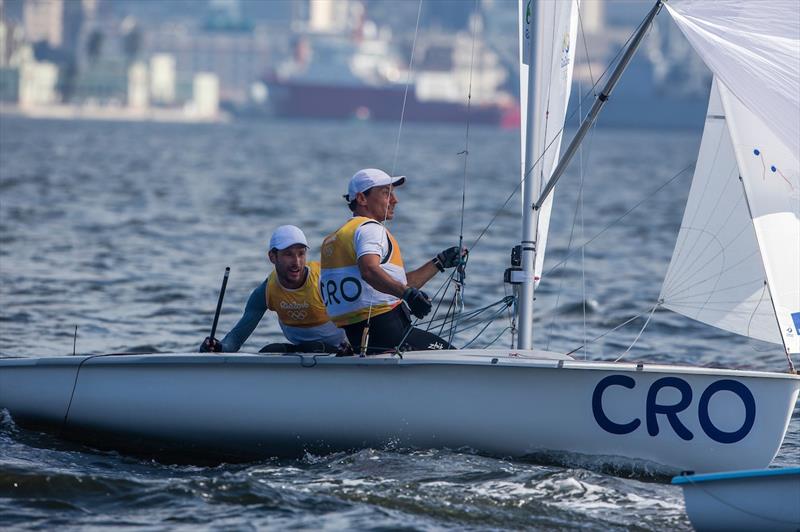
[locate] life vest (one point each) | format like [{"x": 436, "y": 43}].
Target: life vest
[
  {"x": 347, "y": 296},
  {"x": 301, "y": 312}
]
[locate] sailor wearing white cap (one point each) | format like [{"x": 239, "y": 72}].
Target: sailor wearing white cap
[
  {"x": 292, "y": 292},
  {"x": 363, "y": 278}
]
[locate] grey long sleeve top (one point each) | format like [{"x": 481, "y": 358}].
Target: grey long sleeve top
[{"x": 253, "y": 312}]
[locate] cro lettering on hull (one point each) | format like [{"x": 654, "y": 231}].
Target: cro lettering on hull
[{"x": 724, "y": 410}]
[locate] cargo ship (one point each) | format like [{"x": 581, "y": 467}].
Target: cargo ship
[{"x": 364, "y": 77}]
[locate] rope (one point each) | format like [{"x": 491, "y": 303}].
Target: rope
[
  {"x": 623, "y": 324},
  {"x": 503, "y": 303},
  {"x": 640, "y": 332},
  {"x": 489, "y": 321}
]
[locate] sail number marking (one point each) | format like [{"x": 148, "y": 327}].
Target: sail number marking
[{"x": 654, "y": 409}]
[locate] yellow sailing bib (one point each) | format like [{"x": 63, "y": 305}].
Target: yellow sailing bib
[
  {"x": 346, "y": 295},
  {"x": 301, "y": 307}
]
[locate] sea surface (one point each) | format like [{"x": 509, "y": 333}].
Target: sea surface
[{"x": 124, "y": 231}]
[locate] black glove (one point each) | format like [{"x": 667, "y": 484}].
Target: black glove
[
  {"x": 449, "y": 258},
  {"x": 344, "y": 350},
  {"x": 210, "y": 345},
  {"x": 418, "y": 301}
]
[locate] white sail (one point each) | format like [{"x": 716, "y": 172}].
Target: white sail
[
  {"x": 554, "y": 26},
  {"x": 754, "y": 49},
  {"x": 755, "y": 56},
  {"x": 771, "y": 175},
  {"x": 716, "y": 275}
]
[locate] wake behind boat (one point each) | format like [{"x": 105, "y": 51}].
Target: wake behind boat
[{"x": 734, "y": 267}]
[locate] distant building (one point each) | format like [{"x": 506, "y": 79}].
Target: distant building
[
  {"x": 592, "y": 16},
  {"x": 103, "y": 81},
  {"x": 162, "y": 78},
  {"x": 138, "y": 87},
  {"x": 330, "y": 16},
  {"x": 44, "y": 21},
  {"x": 239, "y": 57},
  {"x": 206, "y": 94},
  {"x": 37, "y": 85}
]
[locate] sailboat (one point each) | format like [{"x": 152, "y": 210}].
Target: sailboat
[
  {"x": 764, "y": 499},
  {"x": 735, "y": 267}
]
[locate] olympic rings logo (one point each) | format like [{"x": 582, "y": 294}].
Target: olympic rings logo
[{"x": 297, "y": 315}]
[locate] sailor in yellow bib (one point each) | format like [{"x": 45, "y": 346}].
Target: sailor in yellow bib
[
  {"x": 348, "y": 297},
  {"x": 292, "y": 292},
  {"x": 363, "y": 278}
]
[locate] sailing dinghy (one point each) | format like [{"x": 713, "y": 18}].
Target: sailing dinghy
[
  {"x": 735, "y": 267},
  {"x": 764, "y": 499}
]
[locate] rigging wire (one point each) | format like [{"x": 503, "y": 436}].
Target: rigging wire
[
  {"x": 466, "y": 135},
  {"x": 580, "y": 188},
  {"x": 586, "y": 52},
  {"x": 458, "y": 297},
  {"x": 578, "y": 211},
  {"x": 647, "y": 197},
  {"x": 365, "y": 337},
  {"x": 457, "y": 277},
  {"x": 528, "y": 171},
  {"x": 405, "y": 94},
  {"x": 556, "y": 137}
]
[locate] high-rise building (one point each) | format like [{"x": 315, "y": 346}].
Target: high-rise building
[
  {"x": 593, "y": 16},
  {"x": 238, "y": 58},
  {"x": 162, "y": 78},
  {"x": 138, "y": 87},
  {"x": 37, "y": 85},
  {"x": 44, "y": 21},
  {"x": 205, "y": 94}
]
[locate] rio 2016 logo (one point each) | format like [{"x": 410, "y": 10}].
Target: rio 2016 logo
[
  {"x": 528, "y": 20},
  {"x": 565, "y": 47},
  {"x": 653, "y": 409}
]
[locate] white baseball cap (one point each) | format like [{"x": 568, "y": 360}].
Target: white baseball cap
[
  {"x": 367, "y": 178},
  {"x": 285, "y": 236}
]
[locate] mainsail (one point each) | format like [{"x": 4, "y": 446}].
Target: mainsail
[
  {"x": 724, "y": 272},
  {"x": 553, "y": 26}
]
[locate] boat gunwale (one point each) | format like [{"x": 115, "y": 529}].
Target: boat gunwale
[
  {"x": 734, "y": 475},
  {"x": 500, "y": 358}
]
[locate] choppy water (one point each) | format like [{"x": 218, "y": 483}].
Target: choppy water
[{"x": 125, "y": 229}]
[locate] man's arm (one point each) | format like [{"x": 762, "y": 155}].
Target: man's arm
[
  {"x": 370, "y": 267},
  {"x": 421, "y": 275},
  {"x": 253, "y": 312}
]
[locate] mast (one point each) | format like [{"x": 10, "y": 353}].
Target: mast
[
  {"x": 529, "y": 191},
  {"x": 530, "y": 215}
]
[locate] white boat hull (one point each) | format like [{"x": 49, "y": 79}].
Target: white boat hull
[
  {"x": 766, "y": 499},
  {"x": 257, "y": 405}
]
